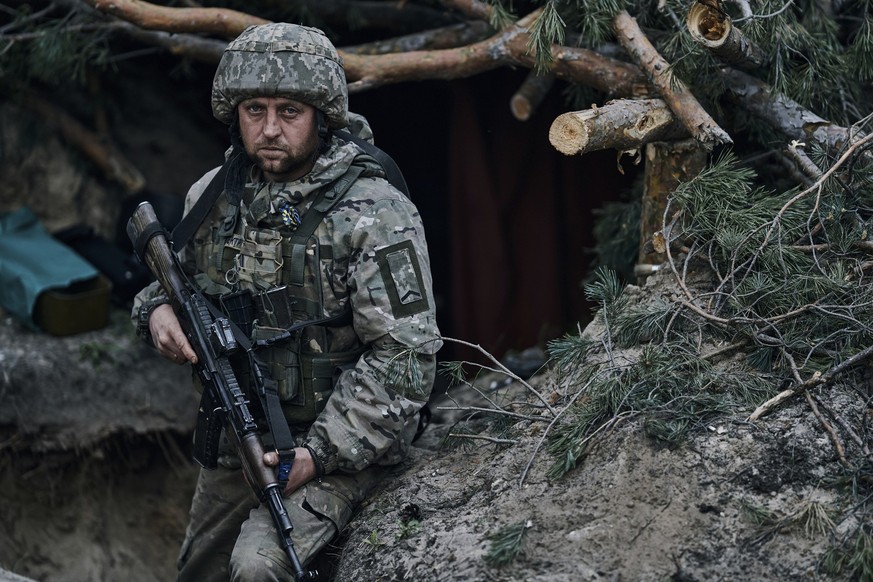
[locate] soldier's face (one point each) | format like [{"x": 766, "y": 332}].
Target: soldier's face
[{"x": 280, "y": 135}]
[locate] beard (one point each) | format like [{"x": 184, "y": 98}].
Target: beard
[{"x": 282, "y": 163}]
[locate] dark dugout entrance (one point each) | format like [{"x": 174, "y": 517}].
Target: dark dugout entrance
[{"x": 508, "y": 218}]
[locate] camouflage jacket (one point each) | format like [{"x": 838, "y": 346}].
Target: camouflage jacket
[{"x": 368, "y": 256}]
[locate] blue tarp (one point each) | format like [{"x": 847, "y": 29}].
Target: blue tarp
[{"x": 32, "y": 261}]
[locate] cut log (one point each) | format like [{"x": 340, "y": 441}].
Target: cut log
[
  {"x": 531, "y": 93},
  {"x": 621, "y": 124},
  {"x": 714, "y": 30},
  {"x": 682, "y": 102}
]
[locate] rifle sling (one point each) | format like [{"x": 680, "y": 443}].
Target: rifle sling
[
  {"x": 150, "y": 231},
  {"x": 189, "y": 224},
  {"x": 268, "y": 392}
]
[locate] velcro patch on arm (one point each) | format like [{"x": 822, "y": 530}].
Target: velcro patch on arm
[{"x": 401, "y": 274}]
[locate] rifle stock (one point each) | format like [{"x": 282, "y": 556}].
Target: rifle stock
[{"x": 223, "y": 403}]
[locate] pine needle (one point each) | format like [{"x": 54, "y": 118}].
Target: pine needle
[
  {"x": 547, "y": 29},
  {"x": 507, "y": 543}
]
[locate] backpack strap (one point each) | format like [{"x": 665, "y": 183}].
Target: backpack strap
[
  {"x": 392, "y": 171},
  {"x": 326, "y": 200}
]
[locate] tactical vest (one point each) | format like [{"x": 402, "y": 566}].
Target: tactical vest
[{"x": 266, "y": 277}]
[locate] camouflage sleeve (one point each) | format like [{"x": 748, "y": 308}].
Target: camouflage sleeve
[{"x": 372, "y": 415}]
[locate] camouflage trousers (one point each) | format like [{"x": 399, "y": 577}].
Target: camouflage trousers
[{"x": 230, "y": 536}]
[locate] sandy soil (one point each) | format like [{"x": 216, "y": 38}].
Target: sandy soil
[
  {"x": 631, "y": 511},
  {"x": 95, "y": 476}
]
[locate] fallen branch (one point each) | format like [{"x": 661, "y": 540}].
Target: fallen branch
[
  {"x": 804, "y": 164},
  {"x": 785, "y": 115},
  {"x": 229, "y": 23},
  {"x": 546, "y": 432},
  {"x": 864, "y": 245},
  {"x": 504, "y": 370},
  {"x": 817, "y": 379},
  {"x": 835, "y": 438},
  {"x": 483, "y": 438},
  {"x": 681, "y": 101},
  {"x": 501, "y": 411},
  {"x": 191, "y": 46},
  {"x": 435, "y": 39},
  {"x": 367, "y": 71},
  {"x": 111, "y": 161},
  {"x": 209, "y": 50},
  {"x": 471, "y": 8}
]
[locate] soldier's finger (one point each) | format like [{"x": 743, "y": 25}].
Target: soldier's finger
[{"x": 184, "y": 347}]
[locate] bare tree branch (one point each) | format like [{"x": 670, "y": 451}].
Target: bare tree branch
[
  {"x": 190, "y": 46},
  {"x": 363, "y": 71},
  {"x": 509, "y": 47},
  {"x": 219, "y": 21},
  {"x": 438, "y": 38},
  {"x": 471, "y": 8}
]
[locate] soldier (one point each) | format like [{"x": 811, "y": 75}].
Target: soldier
[{"x": 306, "y": 228}]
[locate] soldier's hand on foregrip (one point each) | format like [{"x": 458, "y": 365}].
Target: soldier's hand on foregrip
[
  {"x": 302, "y": 471},
  {"x": 168, "y": 337}
]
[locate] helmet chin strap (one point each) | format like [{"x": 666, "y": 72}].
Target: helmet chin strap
[
  {"x": 323, "y": 131},
  {"x": 237, "y": 167},
  {"x": 235, "y": 133}
]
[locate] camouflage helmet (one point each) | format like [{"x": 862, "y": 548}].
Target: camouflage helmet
[{"x": 281, "y": 60}]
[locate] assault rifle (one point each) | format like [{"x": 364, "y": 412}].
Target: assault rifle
[{"x": 223, "y": 403}]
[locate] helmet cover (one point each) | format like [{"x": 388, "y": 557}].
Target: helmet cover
[{"x": 281, "y": 60}]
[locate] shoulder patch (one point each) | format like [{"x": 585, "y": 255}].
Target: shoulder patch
[{"x": 401, "y": 274}]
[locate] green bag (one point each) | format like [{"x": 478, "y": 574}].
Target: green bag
[{"x": 32, "y": 262}]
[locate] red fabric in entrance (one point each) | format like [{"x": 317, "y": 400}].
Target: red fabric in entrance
[{"x": 520, "y": 217}]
